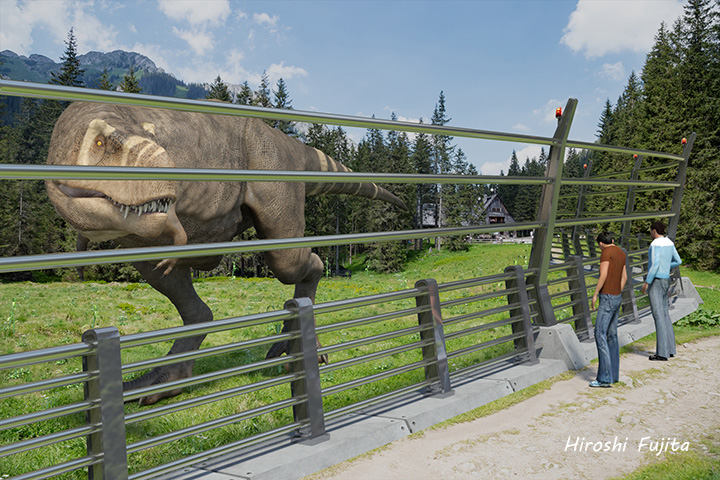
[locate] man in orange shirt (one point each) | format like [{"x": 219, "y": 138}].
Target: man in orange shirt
[{"x": 613, "y": 276}]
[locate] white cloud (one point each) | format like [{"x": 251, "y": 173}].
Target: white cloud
[
  {"x": 600, "y": 27},
  {"x": 196, "y": 12},
  {"x": 519, "y": 127},
  {"x": 92, "y": 34},
  {"x": 276, "y": 71},
  {"x": 23, "y": 22},
  {"x": 267, "y": 21},
  {"x": 494, "y": 168},
  {"x": 199, "y": 40},
  {"x": 613, "y": 71},
  {"x": 530, "y": 151},
  {"x": 18, "y": 21}
]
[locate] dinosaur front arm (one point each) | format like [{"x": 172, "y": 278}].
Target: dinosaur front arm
[{"x": 175, "y": 230}]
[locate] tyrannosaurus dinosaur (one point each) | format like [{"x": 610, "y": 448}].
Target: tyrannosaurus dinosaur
[{"x": 159, "y": 212}]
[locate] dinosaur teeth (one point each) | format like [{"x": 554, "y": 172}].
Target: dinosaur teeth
[{"x": 154, "y": 206}]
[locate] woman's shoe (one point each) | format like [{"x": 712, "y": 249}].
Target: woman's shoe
[{"x": 595, "y": 383}]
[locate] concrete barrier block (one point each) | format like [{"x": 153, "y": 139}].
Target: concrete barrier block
[{"x": 559, "y": 342}]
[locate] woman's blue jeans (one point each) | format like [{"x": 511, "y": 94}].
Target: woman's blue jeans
[
  {"x": 658, "y": 293},
  {"x": 606, "y": 338}
]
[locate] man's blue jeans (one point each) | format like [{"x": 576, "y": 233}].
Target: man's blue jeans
[
  {"x": 606, "y": 338},
  {"x": 658, "y": 294}
]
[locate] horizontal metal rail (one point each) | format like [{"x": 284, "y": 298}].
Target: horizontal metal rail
[
  {"x": 342, "y": 387},
  {"x": 71, "y": 259},
  {"x": 49, "y": 414},
  {"x": 216, "y": 326},
  {"x": 214, "y": 452},
  {"x": 60, "y": 468},
  {"x": 41, "y": 385},
  {"x": 380, "y": 354},
  {"x": 216, "y": 423},
  {"x": 59, "y": 92},
  {"x": 50, "y": 354},
  {"x": 409, "y": 389},
  {"x": 204, "y": 378},
  {"x": 78, "y": 172}
]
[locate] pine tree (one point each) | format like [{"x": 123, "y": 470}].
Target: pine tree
[
  {"x": 105, "y": 83},
  {"x": 697, "y": 35},
  {"x": 245, "y": 96},
  {"x": 282, "y": 100},
  {"x": 219, "y": 91},
  {"x": 129, "y": 83},
  {"x": 70, "y": 73},
  {"x": 422, "y": 163},
  {"x": 508, "y": 193},
  {"x": 457, "y": 205},
  {"x": 603, "y": 133},
  {"x": 261, "y": 98},
  {"x": 442, "y": 153}
]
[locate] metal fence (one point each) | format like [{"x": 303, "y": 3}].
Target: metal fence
[{"x": 382, "y": 346}]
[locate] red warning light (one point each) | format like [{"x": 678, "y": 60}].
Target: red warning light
[
  {"x": 635, "y": 156},
  {"x": 584, "y": 165},
  {"x": 684, "y": 141},
  {"x": 558, "y": 112}
]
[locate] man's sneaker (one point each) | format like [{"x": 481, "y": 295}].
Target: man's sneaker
[
  {"x": 595, "y": 383},
  {"x": 655, "y": 358}
]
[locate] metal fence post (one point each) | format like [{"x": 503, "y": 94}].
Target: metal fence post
[
  {"x": 592, "y": 253},
  {"x": 678, "y": 193},
  {"x": 520, "y": 299},
  {"x": 675, "y": 207},
  {"x": 580, "y": 209},
  {"x": 578, "y": 294},
  {"x": 541, "y": 254},
  {"x": 565, "y": 245},
  {"x": 309, "y": 385},
  {"x": 105, "y": 388},
  {"x": 435, "y": 352},
  {"x": 630, "y": 204}
]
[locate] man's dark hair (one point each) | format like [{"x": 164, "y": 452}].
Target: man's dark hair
[
  {"x": 659, "y": 227},
  {"x": 605, "y": 237}
]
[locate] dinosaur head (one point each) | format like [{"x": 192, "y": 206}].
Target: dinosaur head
[{"x": 102, "y": 135}]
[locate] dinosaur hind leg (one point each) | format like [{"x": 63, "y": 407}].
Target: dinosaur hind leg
[
  {"x": 303, "y": 269},
  {"x": 177, "y": 286}
]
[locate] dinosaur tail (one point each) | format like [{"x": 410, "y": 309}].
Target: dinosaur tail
[{"x": 324, "y": 163}]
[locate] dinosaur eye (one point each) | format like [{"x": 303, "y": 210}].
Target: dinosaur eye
[{"x": 99, "y": 141}]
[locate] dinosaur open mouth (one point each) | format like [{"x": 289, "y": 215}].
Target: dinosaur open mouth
[{"x": 156, "y": 205}]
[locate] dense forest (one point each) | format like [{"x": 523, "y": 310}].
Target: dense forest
[{"x": 677, "y": 92}]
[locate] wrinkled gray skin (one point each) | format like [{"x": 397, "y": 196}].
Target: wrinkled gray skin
[{"x": 155, "y": 213}]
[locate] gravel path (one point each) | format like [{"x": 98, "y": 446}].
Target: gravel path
[{"x": 570, "y": 430}]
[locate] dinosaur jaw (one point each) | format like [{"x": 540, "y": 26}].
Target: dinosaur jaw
[{"x": 101, "y": 217}]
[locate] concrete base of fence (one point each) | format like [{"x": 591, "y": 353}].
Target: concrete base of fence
[
  {"x": 559, "y": 342},
  {"x": 558, "y": 350}
]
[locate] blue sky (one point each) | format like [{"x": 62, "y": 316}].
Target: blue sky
[{"x": 502, "y": 65}]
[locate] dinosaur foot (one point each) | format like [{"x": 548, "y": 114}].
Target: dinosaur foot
[
  {"x": 278, "y": 348},
  {"x": 156, "y": 377}
]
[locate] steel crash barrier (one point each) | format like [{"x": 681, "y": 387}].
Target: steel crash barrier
[{"x": 424, "y": 338}]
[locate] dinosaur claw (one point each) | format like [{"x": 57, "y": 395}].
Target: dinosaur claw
[{"x": 168, "y": 264}]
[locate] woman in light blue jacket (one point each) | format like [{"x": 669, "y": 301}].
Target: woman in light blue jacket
[{"x": 662, "y": 258}]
